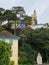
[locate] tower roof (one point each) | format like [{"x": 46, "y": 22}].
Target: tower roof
[{"x": 34, "y": 10}]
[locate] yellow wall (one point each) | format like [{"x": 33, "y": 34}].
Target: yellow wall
[{"x": 15, "y": 51}]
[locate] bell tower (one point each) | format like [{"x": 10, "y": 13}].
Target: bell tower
[{"x": 34, "y": 18}]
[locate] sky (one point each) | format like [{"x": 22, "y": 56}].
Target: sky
[{"x": 41, "y": 7}]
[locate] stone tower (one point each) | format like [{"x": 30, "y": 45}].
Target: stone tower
[{"x": 34, "y": 18}]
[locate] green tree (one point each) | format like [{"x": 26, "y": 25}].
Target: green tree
[
  {"x": 5, "y": 51},
  {"x": 39, "y": 40},
  {"x": 1, "y": 28},
  {"x": 18, "y": 10},
  {"x": 27, "y": 20},
  {"x": 2, "y": 18},
  {"x": 10, "y": 16},
  {"x": 1, "y": 11},
  {"x": 26, "y": 55}
]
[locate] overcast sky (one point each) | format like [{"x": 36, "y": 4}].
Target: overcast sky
[{"x": 41, "y": 7}]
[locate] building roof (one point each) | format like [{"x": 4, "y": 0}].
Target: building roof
[
  {"x": 6, "y": 34},
  {"x": 39, "y": 26}
]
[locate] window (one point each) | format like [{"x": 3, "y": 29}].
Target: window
[{"x": 11, "y": 42}]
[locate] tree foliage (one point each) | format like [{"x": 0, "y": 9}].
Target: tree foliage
[
  {"x": 18, "y": 10},
  {"x": 38, "y": 40},
  {"x": 1, "y": 28},
  {"x": 27, "y": 20},
  {"x": 26, "y": 55},
  {"x": 5, "y": 51},
  {"x": 9, "y": 15}
]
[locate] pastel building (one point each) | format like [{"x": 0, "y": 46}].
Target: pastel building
[{"x": 13, "y": 40}]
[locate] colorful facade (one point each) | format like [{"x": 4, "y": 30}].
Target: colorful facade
[{"x": 14, "y": 44}]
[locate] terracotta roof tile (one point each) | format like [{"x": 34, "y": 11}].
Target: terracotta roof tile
[{"x": 7, "y": 34}]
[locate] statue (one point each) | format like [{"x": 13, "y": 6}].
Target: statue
[{"x": 39, "y": 59}]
